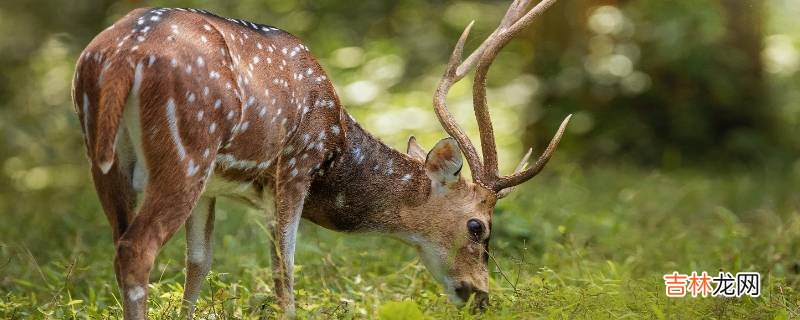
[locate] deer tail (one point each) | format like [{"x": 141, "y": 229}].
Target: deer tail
[{"x": 120, "y": 80}]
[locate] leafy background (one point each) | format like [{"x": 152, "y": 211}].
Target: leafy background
[{"x": 682, "y": 155}]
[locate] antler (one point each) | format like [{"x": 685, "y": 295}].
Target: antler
[{"x": 516, "y": 18}]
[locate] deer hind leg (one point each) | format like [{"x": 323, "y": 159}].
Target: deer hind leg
[
  {"x": 199, "y": 248},
  {"x": 117, "y": 197},
  {"x": 161, "y": 214},
  {"x": 178, "y": 163},
  {"x": 116, "y": 192},
  {"x": 168, "y": 202},
  {"x": 118, "y": 200}
]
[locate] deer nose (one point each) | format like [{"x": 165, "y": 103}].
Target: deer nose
[{"x": 481, "y": 299}]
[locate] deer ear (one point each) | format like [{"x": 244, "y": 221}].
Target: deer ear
[
  {"x": 443, "y": 164},
  {"x": 414, "y": 150}
]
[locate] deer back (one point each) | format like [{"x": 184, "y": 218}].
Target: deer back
[{"x": 246, "y": 94}]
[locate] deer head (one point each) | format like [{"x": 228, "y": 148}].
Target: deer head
[{"x": 454, "y": 243}]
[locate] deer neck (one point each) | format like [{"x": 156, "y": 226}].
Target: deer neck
[{"x": 366, "y": 186}]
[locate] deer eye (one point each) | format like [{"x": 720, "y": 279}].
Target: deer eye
[{"x": 475, "y": 228}]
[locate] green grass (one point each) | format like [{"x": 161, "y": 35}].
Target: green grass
[{"x": 574, "y": 243}]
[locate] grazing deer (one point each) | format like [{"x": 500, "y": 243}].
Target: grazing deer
[{"x": 182, "y": 106}]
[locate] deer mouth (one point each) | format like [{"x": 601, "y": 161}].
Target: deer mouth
[{"x": 480, "y": 298}]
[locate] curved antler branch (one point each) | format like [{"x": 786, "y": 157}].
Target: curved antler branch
[
  {"x": 502, "y": 36},
  {"x": 520, "y": 177},
  {"x": 516, "y": 18},
  {"x": 514, "y": 12},
  {"x": 446, "y": 118}
]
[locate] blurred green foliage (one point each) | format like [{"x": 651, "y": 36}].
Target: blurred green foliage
[
  {"x": 673, "y": 83},
  {"x": 708, "y": 85},
  {"x": 657, "y": 83}
]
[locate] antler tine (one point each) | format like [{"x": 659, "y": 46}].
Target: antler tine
[
  {"x": 520, "y": 177},
  {"x": 494, "y": 44},
  {"x": 515, "y": 10},
  {"x": 521, "y": 166},
  {"x": 532, "y": 14},
  {"x": 446, "y": 118},
  {"x": 524, "y": 161}
]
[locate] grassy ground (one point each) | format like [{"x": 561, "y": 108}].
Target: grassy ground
[{"x": 575, "y": 243}]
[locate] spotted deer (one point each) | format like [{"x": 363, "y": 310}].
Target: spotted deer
[{"x": 181, "y": 107}]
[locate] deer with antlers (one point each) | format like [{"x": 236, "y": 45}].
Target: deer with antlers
[{"x": 180, "y": 107}]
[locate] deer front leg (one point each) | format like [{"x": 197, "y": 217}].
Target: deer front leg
[
  {"x": 199, "y": 249},
  {"x": 289, "y": 206}
]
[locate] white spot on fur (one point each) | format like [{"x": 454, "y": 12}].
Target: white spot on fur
[
  {"x": 192, "y": 169},
  {"x": 136, "y": 293},
  {"x": 389, "y": 168},
  {"x": 340, "y": 200},
  {"x": 172, "y": 122},
  {"x": 106, "y": 166},
  {"x": 227, "y": 161},
  {"x": 357, "y": 155}
]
